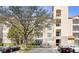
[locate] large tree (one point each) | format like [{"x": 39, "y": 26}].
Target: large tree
[
  {"x": 24, "y": 16},
  {"x": 15, "y": 32},
  {"x": 31, "y": 20}
]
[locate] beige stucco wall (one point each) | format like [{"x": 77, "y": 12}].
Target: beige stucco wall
[
  {"x": 5, "y": 34},
  {"x": 64, "y": 19},
  {"x": 66, "y": 25},
  {"x": 47, "y": 39}
]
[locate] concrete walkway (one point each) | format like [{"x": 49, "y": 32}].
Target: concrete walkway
[{"x": 43, "y": 50}]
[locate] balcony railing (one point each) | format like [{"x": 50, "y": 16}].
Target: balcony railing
[
  {"x": 75, "y": 24},
  {"x": 77, "y": 38},
  {"x": 76, "y": 21},
  {"x": 76, "y": 27},
  {"x": 75, "y": 31}
]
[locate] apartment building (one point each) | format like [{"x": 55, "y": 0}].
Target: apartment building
[
  {"x": 75, "y": 27},
  {"x": 61, "y": 31},
  {"x": 4, "y": 33}
]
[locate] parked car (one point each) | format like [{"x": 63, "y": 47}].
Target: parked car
[
  {"x": 75, "y": 49},
  {"x": 64, "y": 49},
  {"x": 15, "y": 48},
  {"x": 6, "y": 49}
]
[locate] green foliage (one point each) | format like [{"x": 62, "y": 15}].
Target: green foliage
[
  {"x": 8, "y": 44},
  {"x": 35, "y": 46},
  {"x": 23, "y": 46},
  {"x": 1, "y": 44},
  {"x": 14, "y": 33},
  {"x": 27, "y": 23},
  {"x": 3, "y": 19}
]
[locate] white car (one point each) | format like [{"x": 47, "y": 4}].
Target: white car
[{"x": 75, "y": 49}]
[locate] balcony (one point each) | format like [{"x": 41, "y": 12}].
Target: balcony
[
  {"x": 76, "y": 35},
  {"x": 58, "y": 24},
  {"x": 76, "y": 28},
  {"x": 77, "y": 38},
  {"x": 58, "y": 17},
  {"x": 58, "y": 27},
  {"x": 58, "y": 33},
  {"x": 75, "y": 24},
  {"x": 58, "y": 37},
  {"x": 75, "y": 31},
  {"x": 76, "y": 21}
]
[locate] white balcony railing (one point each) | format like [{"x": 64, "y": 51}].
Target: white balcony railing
[
  {"x": 58, "y": 37},
  {"x": 75, "y": 31},
  {"x": 58, "y": 27},
  {"x": 75, "y": 24},
  {"x": 77, "y": 38},
  {"x": 58, "y": 17}
]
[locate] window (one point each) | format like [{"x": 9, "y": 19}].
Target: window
[
  {"x": 76, "y": 35},
  {"x": 58, "y": 33},
  {"x": 58, "y": 24},
  {"x": 49, "y": 38},
  {"x": 49, "y": 34},
  {"x": 77, "y": 42},
  {"x": 40, "y": 35},
  {"x": 57, "y": 42},
  {"x": 58, "y": 12},
  {"x": 38, "y": 42},
  {"x": 76, "y": 28},
  {"x": 75, "y": 21},
  {"x": 49, "y": 27}
]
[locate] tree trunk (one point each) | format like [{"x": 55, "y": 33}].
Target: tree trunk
[{"x": 25, "y": 39}]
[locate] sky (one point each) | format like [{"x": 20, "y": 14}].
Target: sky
[
  {"x": 72, "y": 10},
  {"x": 49, "y": 8}
]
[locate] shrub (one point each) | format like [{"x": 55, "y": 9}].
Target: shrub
[
  {"x": 8, "y": 44},
  {"x": 1, "y": 44}
]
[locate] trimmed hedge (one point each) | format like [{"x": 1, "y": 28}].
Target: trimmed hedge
[{"x": 7, "y": 44}]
